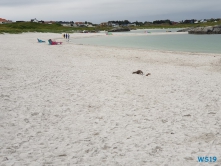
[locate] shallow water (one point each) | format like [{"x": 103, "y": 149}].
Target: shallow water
[{"x": 167, "y": 42}]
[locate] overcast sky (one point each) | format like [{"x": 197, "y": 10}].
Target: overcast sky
[{"x": 97, "y": 11}]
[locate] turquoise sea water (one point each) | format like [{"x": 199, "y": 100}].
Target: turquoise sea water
[{"x": 170, "y": 42}]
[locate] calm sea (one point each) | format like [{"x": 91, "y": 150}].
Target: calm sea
[{"x": 167, "y": 42}]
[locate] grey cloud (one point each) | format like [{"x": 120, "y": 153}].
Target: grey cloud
[
  {"x": 104, "y": 10},
  {"x": 14, "y": 3}
]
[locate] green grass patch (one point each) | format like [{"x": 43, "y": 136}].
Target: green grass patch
[{"x": 21, "y": 27}]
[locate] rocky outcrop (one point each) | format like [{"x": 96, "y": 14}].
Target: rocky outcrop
[
  {"x": 119, "y": 29},
  {"x": 206, "y": 30},
  {"x": 186, "y": 29}
]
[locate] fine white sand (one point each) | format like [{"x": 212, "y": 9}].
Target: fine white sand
[{"x": 81, "y": 105}]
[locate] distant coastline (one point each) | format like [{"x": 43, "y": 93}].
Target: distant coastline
[{"x": 22, "y": 27}]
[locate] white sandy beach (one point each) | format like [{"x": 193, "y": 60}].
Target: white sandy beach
[{"x": 81, "y": 105}]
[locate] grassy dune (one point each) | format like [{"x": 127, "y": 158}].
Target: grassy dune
[
  {"x": 38, "y": 27},
  {"x": 29, "y": 27}
]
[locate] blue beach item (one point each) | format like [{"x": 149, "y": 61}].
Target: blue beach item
[{"x": 40, "y": 41}]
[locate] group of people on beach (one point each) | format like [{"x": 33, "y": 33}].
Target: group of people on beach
[{"x": 66, "y": 36}]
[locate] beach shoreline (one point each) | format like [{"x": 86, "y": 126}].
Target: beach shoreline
[{"x": 81, "y": 105}]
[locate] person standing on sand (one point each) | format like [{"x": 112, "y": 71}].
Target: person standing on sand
[
  {"x": 63, "y": 35},
  {"x": 68, "y": 36}
]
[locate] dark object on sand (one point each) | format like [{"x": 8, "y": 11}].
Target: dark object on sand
[
  {"x": 148, "y": 74},
  {"x": 138, "y": 72}
]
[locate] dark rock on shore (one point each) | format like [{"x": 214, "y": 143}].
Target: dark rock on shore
[
  {"x": 206, "y": 30},
  {"x": 119, "y": 29},
  {"x": 186, "y": 29}
]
